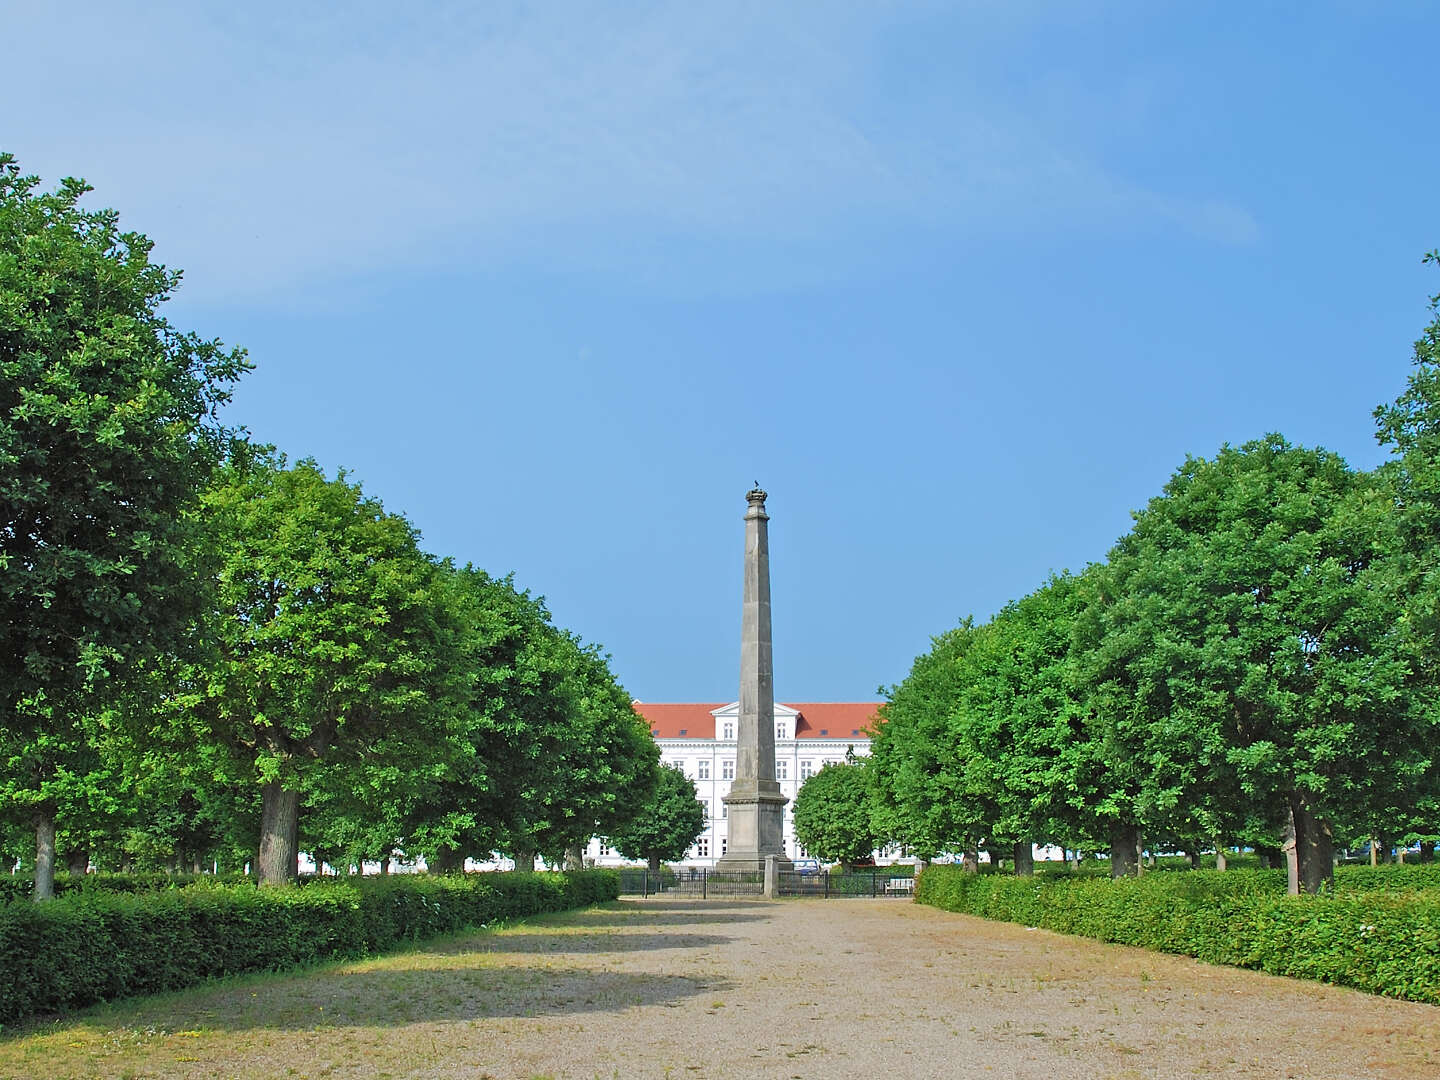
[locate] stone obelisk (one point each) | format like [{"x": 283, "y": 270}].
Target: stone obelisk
[{"x": 755, "y": 806}]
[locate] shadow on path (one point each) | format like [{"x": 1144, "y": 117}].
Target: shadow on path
[
  {"x": 394, "y": 998},
  {"x": 642, "y": 918},
  {"x": 542, "y": 944}
]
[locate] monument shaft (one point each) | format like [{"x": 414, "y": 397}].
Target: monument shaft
[{"x": 754, "y": 805}]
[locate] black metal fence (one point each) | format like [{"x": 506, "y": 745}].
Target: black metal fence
[
  {"x": 873, "y": 883},
  {"x": 701, "y": 883},
  {"x": 706, "y": 884}
]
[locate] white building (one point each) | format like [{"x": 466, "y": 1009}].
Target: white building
[{"x": 700, "y": 739}]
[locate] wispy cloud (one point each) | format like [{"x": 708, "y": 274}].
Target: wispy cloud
[{"x": 269, "y": 151}]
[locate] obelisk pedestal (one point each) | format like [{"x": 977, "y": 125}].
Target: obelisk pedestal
[{"x": 755, "y": 807}]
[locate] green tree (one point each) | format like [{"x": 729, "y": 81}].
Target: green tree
[
  {"x": 1016, "y": 726},
  {"x": 336, "y": 653},
  {"x": 599, "y": 762},
  {"x": 667, "y": 825},
  {"x": 107, "y": 431},
  {"x": 834, "y": 819},
  {"x": 1410, "y": 427},
  {"x": 501, "y": 752},
  {"x": 1249, "y": 642},
  {"x": 917, "y": 771}
]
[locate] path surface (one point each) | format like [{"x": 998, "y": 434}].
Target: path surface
[{"x": 736, "y": 989}]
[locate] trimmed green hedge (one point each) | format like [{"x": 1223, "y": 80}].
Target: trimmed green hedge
[
  {"x": 19, "y": 888},
  {"x": 95, "y": 946},
  {"x": 1391, "y": 878},
  {"x": 1375, "y": 939}
]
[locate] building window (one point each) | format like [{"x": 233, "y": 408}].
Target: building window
[
  {"x": 782, "y": 769},
  {"x": 724, "y": 810},
  {"x": 804, "y": 852},
  {"x": 727, "y": 730},
  {"x": 702, "y": 769},
  {"x": 702, "y": 847},
  {"x": 724, "y": 841},
  {"x": 604, "y": 848},
  {"x": 727, "y": 770},
  {"x": 780, "y": 730},
  {"x": 807, "y": 770}
]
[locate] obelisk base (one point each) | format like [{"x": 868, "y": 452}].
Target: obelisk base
[{"x": 756, "y": 816}]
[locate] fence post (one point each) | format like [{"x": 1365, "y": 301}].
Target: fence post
[
  {"x": 645, "y": 884},
  {"x": 704, "y": 882},
  {"x": 772, "y": 877},
  {"x": 826, "y": 873},
  {"x": 874, "y": 884}
]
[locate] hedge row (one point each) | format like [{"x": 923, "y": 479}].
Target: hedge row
[
  {"x": 19, "y": 888},
  {"x": 1378, "y": 940},
  {"x": 96, "y": 946},
  {"x": 1393, "y": 877}
]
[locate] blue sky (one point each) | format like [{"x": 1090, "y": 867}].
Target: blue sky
[{"x": 959, "y": 284}]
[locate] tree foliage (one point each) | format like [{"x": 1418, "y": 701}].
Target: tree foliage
[
  {"x": 107, "y": 431},
  {"x": 834, "y": 818},
  {"x": 667, "y": 825},
  {"x": 1241, "y": 664},
  {"x": 333, "y": 644}
]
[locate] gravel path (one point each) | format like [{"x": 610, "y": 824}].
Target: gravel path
[
  {"x": 736, "y": 989},
  {"x": 861, "y": 988}
]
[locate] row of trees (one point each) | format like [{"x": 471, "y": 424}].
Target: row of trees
[
  {"x": 213, "y": 655},
  {"x": 1254, "y": 663}
]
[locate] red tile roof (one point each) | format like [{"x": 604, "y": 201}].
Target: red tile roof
[
  {"x": 835, "y": 719},
  {"x": 667, "y": 721},
  {"x": 817, "y": 719}
]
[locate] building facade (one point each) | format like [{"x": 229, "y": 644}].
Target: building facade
[{"x": 700, "y": 739}]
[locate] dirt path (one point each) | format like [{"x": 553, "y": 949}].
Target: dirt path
[{"x": 849, "y": 988}]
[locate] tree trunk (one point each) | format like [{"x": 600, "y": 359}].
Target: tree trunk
[
  {"x": 445, "y": 860},
  {"x": 44, "y": 854},
  {"x": 1272, "y": 858},
  {"x": 525, "y": 859},
  {"x": 77, "y": 860},
  {"x": 1427, "y": 850},
  {"x": 654, "y": 864},
  {"x": 279, "y": 859},
  {"x": 1124, "y": 850},
  {"x": 1374, "y": 852},
  {"x": 1292, "y": 860},
  {"x": 1314, "y": 844},
  {"x": 970, "y": 861},
  {"x": 574, "y": 858},
  {"x": 1194, "y": 857},
  {"x": 385, "y": 864},
  {"x": 1219, "y": 857},
  {"x": 1024, "y": 859}
]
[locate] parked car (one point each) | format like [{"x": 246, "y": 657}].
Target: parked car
[{"x": 807, "y": 866}]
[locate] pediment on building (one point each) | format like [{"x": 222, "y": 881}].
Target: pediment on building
[{"x": 732, "y": 712}]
